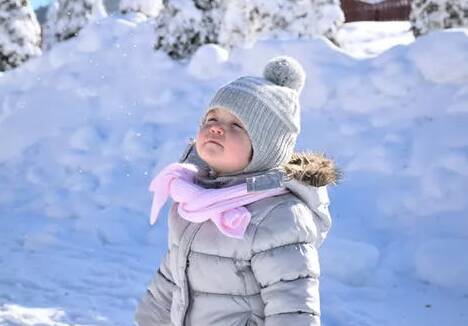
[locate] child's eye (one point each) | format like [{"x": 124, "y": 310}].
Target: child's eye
[
  {"x": 237, "y": 125},
  {"x": 210, "y": 119}
]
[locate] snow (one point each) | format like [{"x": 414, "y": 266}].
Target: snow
[
  {"x": 437, "y": 262},
  {"x": 450, "y": 66},
  {"x": 369, "y": 39},
  {"x": 359, "y": 266},
  {"x": 85, "y": 126},
  {"x": 147, "y": 7},
  {"x": 207, "y": 62},
  {"x": 17, "y": 315}
]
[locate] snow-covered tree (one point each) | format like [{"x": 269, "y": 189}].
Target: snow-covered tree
[
  {"x": 20, "y": 33},
  {"x": 247, "y": 20},
  {"x": 329, "y": 17},
  {"x": 428, "y": 15},
  {"x": 66, "y": 18},
  {"x": 184, "y": 25},
  {"x": 150, "y": 8}
]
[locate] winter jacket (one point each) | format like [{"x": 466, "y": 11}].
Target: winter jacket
[{"x": 270, "y": 277}]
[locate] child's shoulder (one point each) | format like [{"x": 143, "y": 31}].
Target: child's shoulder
[
  {"x": 271, "y": 207},
  {"x": 282, "y": 220},
  {"x": 279, "y": 212}
]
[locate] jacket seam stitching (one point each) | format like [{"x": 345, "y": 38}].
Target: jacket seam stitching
[
  {"x": 311, "y": 276},
  {"x": 313, "y": 313},
  {"x": 226, "y": 294},
  {"x": 284, "y": 245},
  {"x": 227, "y": 257}
]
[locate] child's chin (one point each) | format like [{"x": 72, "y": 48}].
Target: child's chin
[{"x": 214, "y": 151}]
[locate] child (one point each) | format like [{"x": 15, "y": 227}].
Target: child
[{"x": 248, "y": 213}]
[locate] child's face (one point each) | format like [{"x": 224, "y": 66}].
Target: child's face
[{"x": 223, "y": 143}]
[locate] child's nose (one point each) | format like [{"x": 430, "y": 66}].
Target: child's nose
[{"x": 216, "y": 129}]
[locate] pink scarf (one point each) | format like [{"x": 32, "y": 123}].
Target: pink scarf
[{"x": 224, "y": 206}]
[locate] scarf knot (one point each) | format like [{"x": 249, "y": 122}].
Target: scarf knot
[{"x": 224, "y": 206}]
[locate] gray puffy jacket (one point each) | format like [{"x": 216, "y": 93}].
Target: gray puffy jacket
[{"x": 270, "y": 277}]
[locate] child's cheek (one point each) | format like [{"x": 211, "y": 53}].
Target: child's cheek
[{"x": 199, "y": 133}]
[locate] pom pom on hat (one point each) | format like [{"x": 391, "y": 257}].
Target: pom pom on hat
[{"x": 285, "y": 71}]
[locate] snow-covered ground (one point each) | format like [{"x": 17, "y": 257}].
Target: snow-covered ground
[
  {"x": 369, "y": 39},
  {"x": 84, "y": 128}
]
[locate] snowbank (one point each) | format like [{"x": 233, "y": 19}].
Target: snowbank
[
  {"x": 443, "y": 262},
  {"x": 84, "y": 127}
]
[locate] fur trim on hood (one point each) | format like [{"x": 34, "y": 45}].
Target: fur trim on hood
[{"x": 312, "y": 169}]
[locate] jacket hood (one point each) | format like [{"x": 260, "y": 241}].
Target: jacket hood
[{"x": 308, "y": 177}]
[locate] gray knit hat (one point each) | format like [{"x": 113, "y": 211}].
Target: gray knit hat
[{"x": 269, "y": 109}]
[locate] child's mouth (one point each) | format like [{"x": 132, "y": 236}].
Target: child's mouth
[{"x": 214, "y": 142}]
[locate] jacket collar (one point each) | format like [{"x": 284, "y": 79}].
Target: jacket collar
[
  {"x": 306, "y": 175},
  {"x": 256, "y": 181}
]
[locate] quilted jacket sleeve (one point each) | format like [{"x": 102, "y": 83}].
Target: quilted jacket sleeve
[
  {"x": 286, "y": 265},
  {"x": 155, "y": 306}
]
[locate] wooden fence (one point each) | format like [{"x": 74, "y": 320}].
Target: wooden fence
[{"x": 356, "y": 10}]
